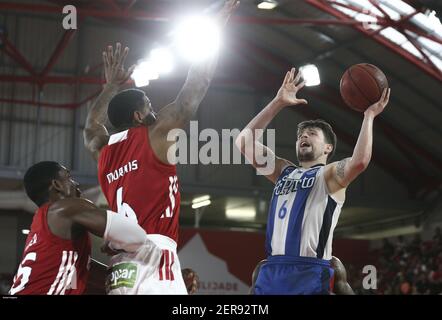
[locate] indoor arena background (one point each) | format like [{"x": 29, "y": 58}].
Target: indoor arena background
[{"x": 391, "y": 220}]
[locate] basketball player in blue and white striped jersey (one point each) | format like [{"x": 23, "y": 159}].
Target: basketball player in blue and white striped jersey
[{"x": 307, "y": 199}]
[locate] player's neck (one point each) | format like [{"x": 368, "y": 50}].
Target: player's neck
[{"x": 309, "y": 164}]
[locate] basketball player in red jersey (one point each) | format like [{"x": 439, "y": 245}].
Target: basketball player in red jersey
[
  {"x": 133, "y": 169},
  {"x": 57, "y": 250}
]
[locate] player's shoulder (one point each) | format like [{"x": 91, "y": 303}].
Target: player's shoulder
[
  {"x": 70, "y": 206},
  {"x": 287, "y": 168}
]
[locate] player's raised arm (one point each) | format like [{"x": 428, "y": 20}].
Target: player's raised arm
[
  {"x": 95, "y": 133},
  {"x": 248, "y": 140},
  {"x": 340, "y": 174},
  {"x": 179, "y": 112}
]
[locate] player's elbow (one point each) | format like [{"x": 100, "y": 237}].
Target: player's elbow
[
  {"x": 361, "y": 165},
  {"x": 87, "y": 137},
  {"x": 240, "y": 143},
  {"x": 244, "y": 139}
]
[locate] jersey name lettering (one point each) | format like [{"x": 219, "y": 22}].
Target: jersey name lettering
[
  {"x": 287, "y": 185},
  {"x": 120, "y": 172}
]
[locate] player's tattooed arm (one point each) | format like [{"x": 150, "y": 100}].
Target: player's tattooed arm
[
  {"x": 340, "y": 167},
  {"x": 179, "y": 112},
  {"x": 95, "y": 133},
  {"x": 340, "y": 174}
]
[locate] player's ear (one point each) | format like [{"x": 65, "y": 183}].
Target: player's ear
[
  {"x": 328, "y": 148},
  {"x": 138, "y": 117},
  {"x": 56, "y": 185}
]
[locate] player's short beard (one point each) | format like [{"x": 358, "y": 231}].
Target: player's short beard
[
  {"x": 306, "y": 157},
  {"x": 151, "y": 118}
]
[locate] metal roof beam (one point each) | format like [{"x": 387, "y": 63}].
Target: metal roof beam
[
  {"x": 326, "y": 7},
  {"x": 58, "y": 51}
]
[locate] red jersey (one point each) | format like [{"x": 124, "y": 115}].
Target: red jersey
[
  {"x": 135, "y": 182},
  {"x": 52, "y": 265}
]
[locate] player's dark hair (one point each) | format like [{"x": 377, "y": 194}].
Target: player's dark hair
[
  {"x": 329, "y": 135},
  {"x": 38, "y": 179},
  {"x": 122, "y": 107}
]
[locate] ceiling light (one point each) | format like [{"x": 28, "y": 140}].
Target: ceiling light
[
  {"x": 267, "y": 5},
  {"x": 310, "y": 74},
  {"x": 200, "y": 204}
]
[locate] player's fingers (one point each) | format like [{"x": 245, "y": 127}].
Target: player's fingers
[
  {"x": 286, "y": 78},
  {"x": 123, "y": 57},
  {"x": 236, "y": 4},
  {"x": 110, "y": 53},
  {"x": 117, "y": 53},
  {"x": 292, "y": 74},
  {"x": 384, "y": 94},
  {"x": 301, "y": 85},
  {"x": 303, "y": 101},
  {"x": 388, "y": 95},
  {"x": 105, "y": 59},
  {"x": 298, "y": 76},
  {"x": 129, "y": 72}
]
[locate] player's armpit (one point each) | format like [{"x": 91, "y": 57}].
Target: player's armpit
[
  {"x": 262, "y": 158},
  {"x": 95, "y": 139},
  {"x": 280, "y": 165}
]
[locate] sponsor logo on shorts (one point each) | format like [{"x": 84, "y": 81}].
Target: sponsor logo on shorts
[{"x": 122, "y": 275}]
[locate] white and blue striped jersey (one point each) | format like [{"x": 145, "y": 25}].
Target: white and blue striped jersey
[{"x": 302, "y": 215}]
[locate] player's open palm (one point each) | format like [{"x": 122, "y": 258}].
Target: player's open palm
[
  {"x": 379, "y": 106},
  {"x": 114, "y": 70},
  {"x": 289, "y": 89}
]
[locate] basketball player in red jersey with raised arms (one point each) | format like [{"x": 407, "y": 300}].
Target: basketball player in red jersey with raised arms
[
  {"x": 133, "y": 169},
  {"x": 57, "y": 251}
]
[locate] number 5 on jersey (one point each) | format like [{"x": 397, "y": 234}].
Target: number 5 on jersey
[{"x": 173, "y": 189}]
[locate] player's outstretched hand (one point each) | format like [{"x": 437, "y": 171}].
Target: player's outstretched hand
[
  {"x": 379, "y": 106},
  {"x": 290, "y": 86},
  {"x": 114, "y": 71}
]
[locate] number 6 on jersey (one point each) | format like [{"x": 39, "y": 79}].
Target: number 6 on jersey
[{"x": 124, "y": 208}]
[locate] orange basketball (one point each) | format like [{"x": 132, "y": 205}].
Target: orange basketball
[{"x": 362, "y": 85}]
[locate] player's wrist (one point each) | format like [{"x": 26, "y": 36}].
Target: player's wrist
[
  {"x": 278, "y": 103},
  {"x": 111, "y": 86},
  {"x": 369, "y": 114}
]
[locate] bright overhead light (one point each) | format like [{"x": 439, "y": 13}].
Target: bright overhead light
[
  {"x": 267, "y": 5},
  {"x": 202, "y": 201},
  {"x": 25, "y": 231},
  {"x": 241, "y": 213},
  {"x": 200, "y": 204},
  {"x": 310, "y": 74},
  {"x": 202, "y": 198},
  {"x": 162, "y": 60},
  {"x": 197, "y": 38},
  {"x": 144, "y": 72}
]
